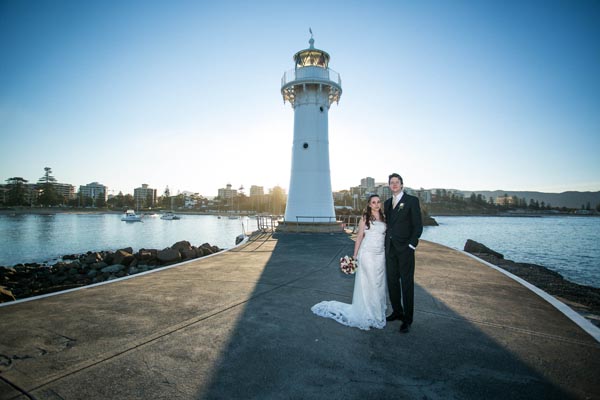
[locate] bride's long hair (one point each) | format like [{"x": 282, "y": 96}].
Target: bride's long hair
[{"x": 368, "y": 214}]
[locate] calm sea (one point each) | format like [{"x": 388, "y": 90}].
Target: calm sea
[
  {"x": 39, "y": 238},
  {"x": 567, "y": 245}
]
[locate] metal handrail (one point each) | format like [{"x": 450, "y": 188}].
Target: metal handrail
[
  {"x": 311, "y": 74},
  {"x": 313, "y": 218},
  {"x": 267, "y": 223},
  {"x": 350, "y": 221}
]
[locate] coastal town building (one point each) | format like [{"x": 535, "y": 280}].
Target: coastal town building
[
  {"x": 192, "y": 200},
  {"x": 144, "y": 196},
  {"x": 368, "y": 184},
  {"x": 227, "y": 192},
  {"x": 258, "y": 199},
  {"x": 340, "y": 195},
  {"x": 424, "y": 195},
  {"x": 357, "y": 191},
  {"x": 256, "y": 191},
  {"x": 505, "y": 200},
  {"x": 31, "y": 193},
  {"x": 383, "y": 191},
  {"x": 65, "y": 190},
  {"x": 94, "y": 191},
  {"x": 3, "y": 194}
]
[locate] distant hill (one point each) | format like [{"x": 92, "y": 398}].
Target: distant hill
[{"x": 565, "y": 199}]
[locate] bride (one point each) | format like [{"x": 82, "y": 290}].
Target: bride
[{"x": 369, "y": 299}]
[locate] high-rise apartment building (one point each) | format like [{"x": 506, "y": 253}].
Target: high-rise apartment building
[
  {"x": 144, "y": 196},
  {"x": 367, "y": 183},
  {"x": 227, "y": 192},
  {"x": 256, "y": 191},
  {"x": 94, "y": 190},
  {"x": 65, "y": 190}
]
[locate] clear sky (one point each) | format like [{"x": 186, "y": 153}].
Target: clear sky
[{"x": 471, "y": 95}]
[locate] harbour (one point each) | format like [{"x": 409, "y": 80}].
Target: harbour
[
  {"x": 39, "y": 238},
  {"x": 567, "y": 245}
]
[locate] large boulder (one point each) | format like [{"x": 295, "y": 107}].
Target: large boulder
[
  {"x": 123, "y": 257},
  {"x": 182, "y": 245},
  {"x": 109, "y": 257},
  {"x": 168, "y": 255},
  {"x": 146, "y": 254},
  {"x": 186, "y": 250},
  {"x": 209, "y": 249},
  {"x": 188, "y": 254},
  {"x": 92, "y": 257},
  {"x": 98, "y": 265},
  {"x": 6, "y": 294},
  {"x": 206, "y": 249},
  {"x": 472, "y": 246},
  {"x": 113, "y": 268}
]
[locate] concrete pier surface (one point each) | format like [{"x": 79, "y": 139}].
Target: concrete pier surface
[{"x": 238, "y": 325}]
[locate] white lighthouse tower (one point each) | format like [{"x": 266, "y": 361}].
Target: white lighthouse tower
[{"x": 311, "y": 87}]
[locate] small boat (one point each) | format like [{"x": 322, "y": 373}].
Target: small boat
[
  {"x": 169, "y": 215},
  {"x": 130, "y": 216}
]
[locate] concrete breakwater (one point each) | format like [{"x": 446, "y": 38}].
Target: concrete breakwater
[
  {"x": 76, "y": 270},
  {"x": 583, "y": 299},
  {"x": 239, "y": 325}
]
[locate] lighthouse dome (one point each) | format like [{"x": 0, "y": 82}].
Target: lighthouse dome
[{"x": 311, "y": 57}]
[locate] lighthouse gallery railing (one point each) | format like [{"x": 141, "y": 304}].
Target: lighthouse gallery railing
[{"x": 311, "y": 74}]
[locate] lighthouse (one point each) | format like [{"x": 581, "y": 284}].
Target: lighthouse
[{"x": 311, "y": 87}]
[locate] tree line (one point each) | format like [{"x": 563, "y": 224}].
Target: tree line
[{"x": 502, "y": 203}]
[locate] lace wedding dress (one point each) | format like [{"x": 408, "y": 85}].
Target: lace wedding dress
[{"x": 369, "y": 300}]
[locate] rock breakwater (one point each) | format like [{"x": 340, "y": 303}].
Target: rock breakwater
[{"x": 76, "y": 270}]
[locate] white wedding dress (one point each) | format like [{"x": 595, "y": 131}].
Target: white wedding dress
[{"x": 369, "y": 300}]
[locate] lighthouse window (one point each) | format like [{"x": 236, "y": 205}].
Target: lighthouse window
[
  {"x": 309, "y": 58},
  {"x": 305, "y": 145}
]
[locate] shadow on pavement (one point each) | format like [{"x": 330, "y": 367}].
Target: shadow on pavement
[{"x": 279, "y": 349}]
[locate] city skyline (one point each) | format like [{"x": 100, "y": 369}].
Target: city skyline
[{"x": 461, "y": 95}]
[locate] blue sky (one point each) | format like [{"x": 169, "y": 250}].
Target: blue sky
[{"x": 472, "y": 95}]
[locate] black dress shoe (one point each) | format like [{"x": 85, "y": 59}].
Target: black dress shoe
[
  {"x": 394, "y": 317},
  {"x": 405, "y": 327}
]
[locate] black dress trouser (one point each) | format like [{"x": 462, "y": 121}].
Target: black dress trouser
[{"x": 400, "y": 271}]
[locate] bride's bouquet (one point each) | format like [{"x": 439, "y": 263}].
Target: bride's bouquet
[{"x": 348, "y": 265}]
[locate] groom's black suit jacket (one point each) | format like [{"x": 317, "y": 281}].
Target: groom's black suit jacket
[{"x": 404, "y": 224}]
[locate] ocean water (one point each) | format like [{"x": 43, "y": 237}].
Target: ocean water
[
  {"x": 40, "y": 238},
  {"x": 567, "y": 245}
]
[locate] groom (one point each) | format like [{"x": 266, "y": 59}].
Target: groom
[{"x": 404, "y": 227}]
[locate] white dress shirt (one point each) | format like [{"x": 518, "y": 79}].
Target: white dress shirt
[{"x": 397, "y": 199}]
